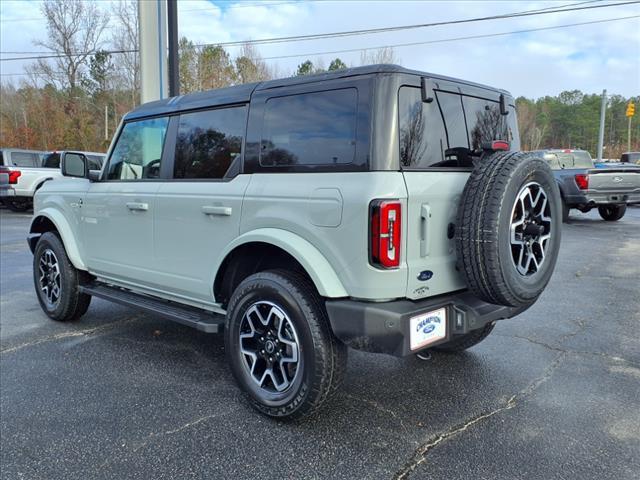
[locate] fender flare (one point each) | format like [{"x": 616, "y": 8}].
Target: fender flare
[
  {"x": 66, "y": 234},
  {"x": 315, "y": 264}
]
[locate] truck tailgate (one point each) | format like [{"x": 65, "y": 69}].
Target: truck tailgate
[{"x": 623, "y": 180}]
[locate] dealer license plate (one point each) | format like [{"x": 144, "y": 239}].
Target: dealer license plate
[{"x": 427, "y": 328}]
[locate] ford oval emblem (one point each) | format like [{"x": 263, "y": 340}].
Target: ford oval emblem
[
  {"x": 429, "y": 328},
  {"x": 425, "y": 275},
  {"x": 617, "y": 179}
]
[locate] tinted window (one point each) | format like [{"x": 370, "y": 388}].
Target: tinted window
[
  {"x": 138, "y": 152},
  {"x": 51, "y": 160},
  {"x": 485, "y": 122},
  {"x": 425, "y": 139},
  {"x": 23, "y": 159},
  {"x": 208, "y": 142},
  {"x": 310, "y": 129}
]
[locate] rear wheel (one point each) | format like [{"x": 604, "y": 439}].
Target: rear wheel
[
  {"x": 612, "y": 213},
  {"x": 460, "y": 343},
  {"x": 280, "y": 347},
  {"x": 57, "y": 281}
]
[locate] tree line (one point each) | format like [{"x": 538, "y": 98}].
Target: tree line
[{"x": 76, "y": 101}]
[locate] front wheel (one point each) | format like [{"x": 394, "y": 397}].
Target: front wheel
[
  {"x": 612, "y": 213},
  {"x": 279, "y": 344},
  {"x": 57, "y": 281}
]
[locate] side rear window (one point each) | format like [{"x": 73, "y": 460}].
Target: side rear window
[
  {"x": 138, "y": 152},
  {"x": 23, "y": 159},
  {"x": 485, "y": 122},
  {"x": 51, "y": 160},
  {"x": 317, "y": 128},
  {"x": 208, "y": 142}
]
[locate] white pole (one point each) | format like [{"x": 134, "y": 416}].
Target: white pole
[
  {"x": 603, "y": 108},
  {"x": 106, "y": 122},
  {"x": 153, "y": 49}
]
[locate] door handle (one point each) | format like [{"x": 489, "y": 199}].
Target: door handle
[
  {"x": 425, "y": 214},
  {"x": 217, "y": 210},
  {"x": 138, "y": 206}
]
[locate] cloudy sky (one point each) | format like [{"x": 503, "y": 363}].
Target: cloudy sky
[{"x": 535, "y": 63}]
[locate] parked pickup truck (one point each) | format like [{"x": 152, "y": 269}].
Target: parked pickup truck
[
  {"x": 377, "y": 208},
  {"x": 609, "y": 187},
  {"x": 23, "y": 172}
]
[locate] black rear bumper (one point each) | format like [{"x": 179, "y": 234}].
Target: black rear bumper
[{"x": 384, "y": 327}]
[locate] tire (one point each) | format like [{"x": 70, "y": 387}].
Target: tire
[
  {"x": 565, "y": 212},
  {"x": 289, "y": 301},
  {"x": 69, "y": 304},
  {"x": 468, "y": 340},
  {"x": 612, "y": 213},
  {"x": 502, "y": 189}
]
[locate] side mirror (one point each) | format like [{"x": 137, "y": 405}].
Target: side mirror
[{"x": 74, "y": 164}]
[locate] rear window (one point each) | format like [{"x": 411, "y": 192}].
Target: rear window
[
  {"x": 582, "y": 160},
  {"x": 208, "y": 142},
  {"x": 316, "y": 128},
  {"x": 51, "y": 160},
  {"x": 23, "y": 159},
  {"x": 443, "y": 133}
]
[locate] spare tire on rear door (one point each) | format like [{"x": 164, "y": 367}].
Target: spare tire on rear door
[{"x": 508, "y": 228}]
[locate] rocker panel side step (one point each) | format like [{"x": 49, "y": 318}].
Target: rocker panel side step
[{"x": 190, "y": 316}]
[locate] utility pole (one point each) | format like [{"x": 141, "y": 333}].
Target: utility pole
[
  {"x": 603, "y": 108},
  {"x": 152, "y": 26},
  {"x": 172, "y": 20}
]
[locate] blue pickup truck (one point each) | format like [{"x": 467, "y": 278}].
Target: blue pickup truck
[{"x": 609, "y": 188}]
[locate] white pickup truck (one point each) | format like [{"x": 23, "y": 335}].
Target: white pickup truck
[{"x": 23, "y": 172}]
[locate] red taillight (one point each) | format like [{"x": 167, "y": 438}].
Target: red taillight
[
  {"x": 13, "y": 175},
  {"x": 499, "y": 145},
  {"x": 582, "y": 180},
  {"x": 386, "y": 225}
]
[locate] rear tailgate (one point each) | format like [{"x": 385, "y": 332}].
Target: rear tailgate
[
  {"x": 614, "y": 180},
  {"x": 432, "y": 205}
]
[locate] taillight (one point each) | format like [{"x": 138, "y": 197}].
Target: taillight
[
  {"x": 13, "y": 175},
  {"x": 582, "y": 180},
  {"x": 499, "y": 145},
  {"x": 385, "y": 227}
]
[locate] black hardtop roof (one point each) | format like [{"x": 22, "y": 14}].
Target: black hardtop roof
[{"x": 242, "y": 93}]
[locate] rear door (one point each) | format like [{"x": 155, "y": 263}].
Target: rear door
[
  {"x": 435, "y": 139},
  {"x": 197, "y": 213}
]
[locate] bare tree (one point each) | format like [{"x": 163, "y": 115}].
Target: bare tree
[
  {"x": 74, "y": 31},
  {"x": 250, "y": 67},
  {"x": 125, "y": 39},
  {"x": 382, "y": 55}
]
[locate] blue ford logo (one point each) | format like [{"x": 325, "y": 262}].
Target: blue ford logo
[{"x": 429, "y": 328}]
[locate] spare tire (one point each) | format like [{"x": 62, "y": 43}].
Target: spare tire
[{"x": 508, "y": 228}]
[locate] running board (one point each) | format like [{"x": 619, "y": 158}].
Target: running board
[{"x": 202, "y": 320}]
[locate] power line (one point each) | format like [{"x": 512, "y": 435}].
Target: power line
[
  {"x": 454, "y": 39},
  {"x": 427, "y": 42},
  {"x": 361, "y": 32}
]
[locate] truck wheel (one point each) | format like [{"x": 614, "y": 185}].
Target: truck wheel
[
  {"x": 57, "y": 280},
  {"x": 508, "y": 228},
  {"x": 565, "y": 211},
  {"x": 468, "y": 340},
  {"x": 612, "y": 213},
  {"x": 280, "y": 346}
]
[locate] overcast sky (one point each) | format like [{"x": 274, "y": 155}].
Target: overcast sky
[{"x": 533, "y": 64}]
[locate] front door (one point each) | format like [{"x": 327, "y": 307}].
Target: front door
[{"x": 117, "y": 219}]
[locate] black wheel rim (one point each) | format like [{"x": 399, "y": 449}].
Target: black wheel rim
[
  {"x": 269, "y": 347},
  {"x": 530, "y": 229},
  {"x": 50, "y": 279}
]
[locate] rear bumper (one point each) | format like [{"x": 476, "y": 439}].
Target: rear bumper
[{"x": 384, "y": 327}]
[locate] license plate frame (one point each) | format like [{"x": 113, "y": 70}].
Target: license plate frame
[{"x": 427, "y": 328}]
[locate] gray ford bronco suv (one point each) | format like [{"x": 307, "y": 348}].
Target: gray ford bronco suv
[{"x": 377, "y": 208}]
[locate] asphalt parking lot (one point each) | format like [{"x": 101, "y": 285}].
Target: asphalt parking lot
[{"x": 554, "y": 393}]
